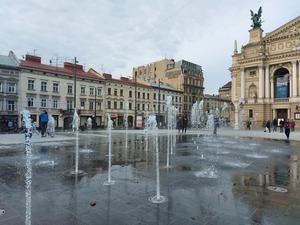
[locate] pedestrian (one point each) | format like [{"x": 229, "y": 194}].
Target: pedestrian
[
  {"x": 179, "y": 124},
  {"x": 287, "y": 129},
  {"x": 293, "y": 125},
  {"x": 268, "y": 126},
  {"x": 216, "y": 124},
  {"x": 248, "y": 125},
  {"x": 184, "y": 123},
  {"x": 275, "y": 124},
  {"x": 44, "y": 120},
  {"x": 281, "y": 124}
]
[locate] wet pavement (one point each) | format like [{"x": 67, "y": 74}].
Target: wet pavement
[{"x": 235, "y": 177}]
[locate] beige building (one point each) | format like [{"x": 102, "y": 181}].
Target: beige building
[
  {"x": 130, "y": 99},
  {"x": 59, "y": 90},
  {"x": 266, "y": 74},
  {"x": 182, "y": 75}
]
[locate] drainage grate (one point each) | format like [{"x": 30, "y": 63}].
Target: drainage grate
[
  {"x": 2, "y": 211},
  {"x": 277, "y": 189}
]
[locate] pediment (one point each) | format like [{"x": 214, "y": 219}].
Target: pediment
[{"x": 288, "y": 30}]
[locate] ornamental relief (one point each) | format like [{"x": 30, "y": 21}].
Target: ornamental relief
[
  {"x": 252, "y": 51},
  {"x": 288, "y": 66}
]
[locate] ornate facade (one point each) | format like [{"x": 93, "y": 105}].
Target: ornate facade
[{"x": 266, "y": 74}]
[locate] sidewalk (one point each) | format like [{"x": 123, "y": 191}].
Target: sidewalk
[{"x": 6, "y": 139}]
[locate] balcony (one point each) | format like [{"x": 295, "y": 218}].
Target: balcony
[{"x": 281, "y": 100}]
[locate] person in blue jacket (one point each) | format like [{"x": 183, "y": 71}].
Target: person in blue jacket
[{"x": 44, "y": 120}]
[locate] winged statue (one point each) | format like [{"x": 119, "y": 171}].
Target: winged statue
[{"x": 256, "y": 18}]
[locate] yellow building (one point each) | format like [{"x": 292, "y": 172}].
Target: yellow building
[
  {"x": 266, "y": 74},
  {"x": 182, "y": 75}
]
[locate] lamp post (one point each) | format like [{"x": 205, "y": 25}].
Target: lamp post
[
  {"x": 158, "y": 102},
  {"x": 75, "y": 61},
  {"x": 95, "y": 108},
  {"x": 135, "y": 100}
]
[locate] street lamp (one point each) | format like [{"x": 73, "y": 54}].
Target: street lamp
[
  {"x": 75, "y": 61},
  {"x": 135, "y": 100},
  {"x": 95, "y": 107},
  {"x": 158, "y": 102}
]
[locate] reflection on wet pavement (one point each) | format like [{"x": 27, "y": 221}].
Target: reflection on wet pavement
[{"x": 212, "y": 180}]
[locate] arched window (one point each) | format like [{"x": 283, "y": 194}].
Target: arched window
[{"x": 281, "y": 83}]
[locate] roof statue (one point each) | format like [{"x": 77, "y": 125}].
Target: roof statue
[{"x": 256, "y": 18}]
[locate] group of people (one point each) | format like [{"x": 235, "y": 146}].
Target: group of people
[
  {"x": 182, "y": 124},
  {"x": 47, "y": 124},
  {"x": 284, "y": 125}
]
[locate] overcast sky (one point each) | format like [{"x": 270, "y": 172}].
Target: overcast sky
[{"x": 113, "y": 36}]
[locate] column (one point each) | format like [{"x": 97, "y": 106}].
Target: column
[
  {"x": 261, "y": 82},
  {"x": 233, "y": 87},
  {"x": 294, "y": 80},
  {"x": 267, "y": 93},
  {"x": 243, "y": 83},
  {"x": 272, "y": 87},
  {"x": 291, "y": 84}
]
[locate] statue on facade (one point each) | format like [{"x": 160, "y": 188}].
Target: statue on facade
[{"x": 256, "y": 18}]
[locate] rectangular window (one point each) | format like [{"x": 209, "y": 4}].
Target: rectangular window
[
  {"x": 91, "y": 105},
  {"x": 121, "y": 105},
  {"x": 139, "y": 95},
  {"x": 130, "y": 94},
  {"x": 11, "y": 105},
  {"x": 250, "y": 113},
  {"x": 82, "y": 90},
  {"x": 154, "y": 96},
  {"x": 99, "y": 92},
  {"x": 130, "y": 106},
  {"x": 43, "y": 103},
  {"x": 148, "y": 96},
  {"x": 30, "y": 102},
  {"x": 109, "y": 91},
  {"x": 121, "y": 92},
  {"x": 115, "y": 105},
  {"x": 138, "y": 106},
  {"x": 43, "y": 86},
  {"x": 11, "y": 87},
  {"x": 30, "y": 85},
  {"x": 54, "y": 103},
  {"x": 143, "y": 107},
  {"x": 70, "y": 89},
  {"x": 92, "y": 91},
  {"x": 109, "y": 104},
  {"x": 143, "y": 95},
  {"x": 82, "y": 105},
  {"x": 69, "y": 104},
  {"x": 116, "y": 92},
  {"x": 55, "y": 87}
]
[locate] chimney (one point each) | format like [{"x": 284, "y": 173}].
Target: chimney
[
  {"x": 70, "y": 66},
  {"x": 33, "y": 58},
  {"x": 107, "y": 75}
]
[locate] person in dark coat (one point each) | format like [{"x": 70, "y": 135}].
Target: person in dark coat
[
  {"x": 179, "y": 124},
  {"x": 268, "y": 126},
  {"x": 275, "y": 124},
  {"x": 184, "y": 123}
]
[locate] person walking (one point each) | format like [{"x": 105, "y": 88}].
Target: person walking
[
  {"x": 216, "y": 124},
  {"x": 179, "y": 124},
  {"x": 184, "y": 123},
  {"x": 248, "y": 125},
  {"x": 275, "y": 124},
  {"x": 44, "y": 120},
  {"x": 268, "y": 126},
  {"x": 287, "y": 129}
]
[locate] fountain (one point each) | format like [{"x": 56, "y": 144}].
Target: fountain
[
  {"x": 28, "y": 176},
  {"x": 109, "y": 126},
  {"x": 75, "y": 129},
  {"x": 158, "y": 198}
]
